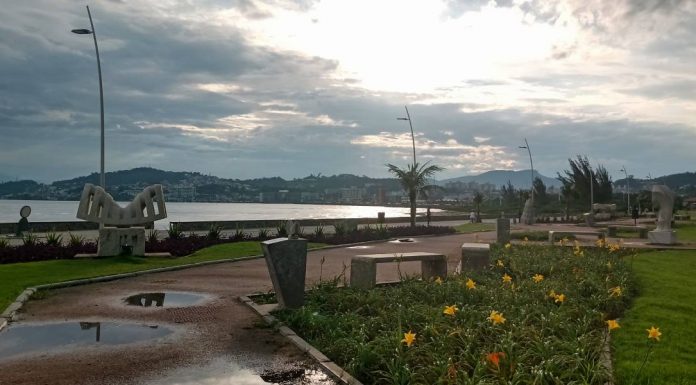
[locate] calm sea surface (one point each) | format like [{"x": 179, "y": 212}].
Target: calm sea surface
[{"x": 56, "y": 211}]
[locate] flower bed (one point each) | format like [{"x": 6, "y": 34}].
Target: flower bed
[{"x": 538, "y": 314}]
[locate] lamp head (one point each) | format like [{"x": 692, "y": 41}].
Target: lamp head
[
  {"x": 401, "y": 118},
  {"x": 82, "y": 31}
]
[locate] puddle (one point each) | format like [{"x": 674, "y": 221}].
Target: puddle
[
  {"x": 403, "y": 240},
  {"x": 165, "y": 299},
  {"x": 41, "y": 338},
  {"x": 360, "y": 247},
  {"x": 224, "y": 371}
]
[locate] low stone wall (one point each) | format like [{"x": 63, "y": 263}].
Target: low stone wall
[
  {"x": 42, "y": 227},
  {"x": 270, "y": 224}
]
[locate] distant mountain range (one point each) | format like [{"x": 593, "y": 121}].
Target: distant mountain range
[
  {"x": 519, "y": 179},
  {"x": 343, "y": 188}
]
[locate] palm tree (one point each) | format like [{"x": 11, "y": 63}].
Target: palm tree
[
  {"x": 478, "y": 200},
  {"x": 414, "y": 180}
]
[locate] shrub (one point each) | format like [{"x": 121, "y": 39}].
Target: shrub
[
  {"x": 263, "y": 234},
  {"x": 152, "y": 236},
  {"x": 174, "y": 231},
  {"x": 54, "y": 239},
  {"x": 215, "y": 231},
  {"x": 75, "y": 240},
  {"x": 239, "y": 234},
  {"x": 281, "y": 229},
  {"x": 29, "y": 239}
]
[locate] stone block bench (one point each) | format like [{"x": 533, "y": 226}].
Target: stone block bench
[
  {"x": 641, "y": 230},
  {"x": 475, "y": 256},
  {"x": 553, "y": 234},
  {"x": 363, "y": 268}
]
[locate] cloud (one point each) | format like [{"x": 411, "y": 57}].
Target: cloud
[{"x": 262, "y": 88}]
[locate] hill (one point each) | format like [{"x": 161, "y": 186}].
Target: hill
[{"x": 519, "y": 179}]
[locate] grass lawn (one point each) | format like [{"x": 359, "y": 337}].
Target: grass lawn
[
  {"x": 474, "y": 227},
  {"x": 686, "y": 233},
  {"x": 15, "y": 277},
  {"x": 667, "y": 299}
]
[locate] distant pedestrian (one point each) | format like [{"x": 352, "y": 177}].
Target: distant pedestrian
[
  {"x": 472, "y": 217},
  {"x": 427, "y": 216},
  {"x": 634, "y": 215}
]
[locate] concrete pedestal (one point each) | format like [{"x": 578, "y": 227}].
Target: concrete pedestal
[
  {"x": 287, "y": 266},
  {"x": 116, "y": 241},
  {"x": 502, "y": 231},
  {"x": 475, "y": 256},
  {"x": 662, "y": 237}
]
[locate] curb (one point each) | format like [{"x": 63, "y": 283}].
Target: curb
[{"x": 324, "y": 362}]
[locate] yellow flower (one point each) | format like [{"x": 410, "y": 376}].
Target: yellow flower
[
  {"x": 438, "y": 280},
  {"x": 500, "y": 263},
  {"x": 507, "y": 278},
  {"x": 508, "y": 245},
  {"x": 564, "y": 241},
  {"x": 614, "y": 247},
  {"x": 609, "y": 265},
  {"x": 538, "y": 278},
  {"x": 525, "y": 240},
  {"x": 450, "y": 310},
  {"x": 470, "y": 284},
  {"x": 559, "y": 298},
  {"x": 615, "y": 291},
  {"x": 496, "y": 318},
  {"x": 600, "y": 242},
  {"x": 578, "y": 251},
  {"x": 409, "y": 338},
  {"x": 654, "y": 333},
  {"x": 612, "y": 324},
  {"x": 552, "y": 293}
]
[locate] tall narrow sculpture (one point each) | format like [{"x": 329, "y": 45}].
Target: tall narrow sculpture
[
  {"x": 663, "y": 197},
  {"x": 118, "y": 237}
]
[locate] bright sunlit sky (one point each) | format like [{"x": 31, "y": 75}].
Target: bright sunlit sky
[{"x": 246, "y": 88}]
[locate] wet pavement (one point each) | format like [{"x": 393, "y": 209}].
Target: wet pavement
[
  {"x": 164, "y": 299},
  {"x": 27, "y": 338}
]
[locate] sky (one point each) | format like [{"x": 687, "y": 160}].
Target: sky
[{"x": 245, "y": 88}]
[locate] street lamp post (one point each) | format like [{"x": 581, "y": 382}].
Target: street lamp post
[
  {"x": 84, "y": 31},
  {"x": 531, "y": 164},
  {"x": 413, "y": 138},
  {"x": 591, "y": 188},
  {"x": 628, "y": 190}
]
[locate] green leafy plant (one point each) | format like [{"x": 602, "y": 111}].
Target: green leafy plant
[
  {"x": 263, "y": 233},
  {"x": 339, "y": 228},
  {"x": 4, "y": 243},
  {"x": 53, "y": 238},
  {"x": 319, "y": 231},
  {"x": 281, "y": 229},
  {"x": 174, "y": 231},
  {"x": 152, "y": 236},
  {"x": 215, "y": 231},
  {"x": 239, "y": 234},
  {"x": 75, "y": 240},
  {"x": 29, "y": 239}
]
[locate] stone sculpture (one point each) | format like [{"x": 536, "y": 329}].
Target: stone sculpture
[
  {"x": 96, "y": 205},
  {"x": 287, "y": 265},
  {"x": 663, "y": 197},
  {"x": 528, "y": 213}
]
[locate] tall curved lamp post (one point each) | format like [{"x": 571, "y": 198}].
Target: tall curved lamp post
[
  {"x": 83, "y": 31},
  {"x": 531, "y": 164},
  {"x": 413, "y": 138},
  {"x": 628, "y": 190}
]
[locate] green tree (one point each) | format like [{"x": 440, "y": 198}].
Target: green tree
[
  {"x": 540, "y": 191},
  {"x": 509, "y": 193},
  {"x": 478, "y": 200},
  {"x": 581, "y": 175},
  {"x": 414, "y": 180}
]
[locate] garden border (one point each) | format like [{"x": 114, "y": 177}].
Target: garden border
[{"x": 335, "y": 371}]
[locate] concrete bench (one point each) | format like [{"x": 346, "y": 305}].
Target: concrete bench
[
  {"x": 556, "y": 233},
  {"x": 641, "y": 230},
  {"x": 363, "y": 268},
  {"x": 475, "y": 256}
]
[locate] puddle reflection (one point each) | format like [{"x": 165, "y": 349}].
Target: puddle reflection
[
  {"x": 164, "y": 299},
  {"x": 226, "y": 372},
  {"x": 40, "y": 338}
]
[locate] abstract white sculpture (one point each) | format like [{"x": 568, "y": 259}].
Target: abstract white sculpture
[
  {"x": 96, "y": 205},
  {"x": 663, "y": 197}
]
